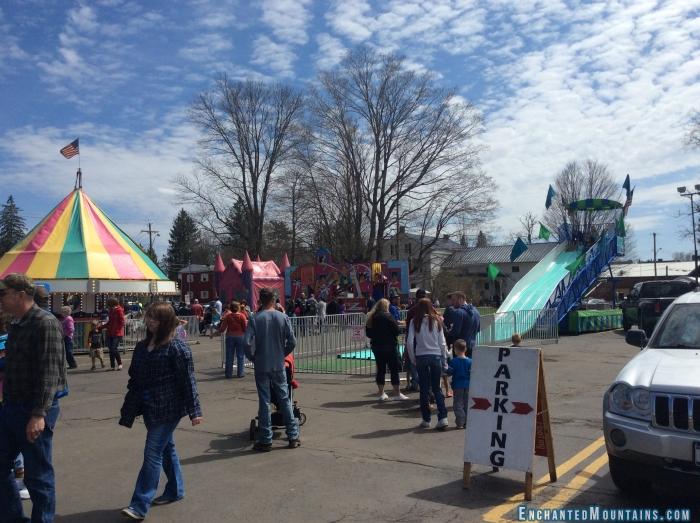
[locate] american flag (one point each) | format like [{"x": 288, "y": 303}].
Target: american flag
[{"x": 71, "y": 149}]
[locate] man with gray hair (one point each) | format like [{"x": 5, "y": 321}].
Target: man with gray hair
[{"x": 35, "y": 368}]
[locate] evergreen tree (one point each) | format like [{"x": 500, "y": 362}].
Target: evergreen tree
[
  {"x": 12, "y": 226},
  {"x": 183, "y": 243}
]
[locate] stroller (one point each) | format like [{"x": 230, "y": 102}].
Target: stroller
[{"x": 276, "y": 417}]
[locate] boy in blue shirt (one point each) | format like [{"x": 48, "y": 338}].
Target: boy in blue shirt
[{"x": 459, "y": 368}]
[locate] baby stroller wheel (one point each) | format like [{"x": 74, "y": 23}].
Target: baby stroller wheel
[
  {"x": 253, "y": 429},
  {"x": 302, "y": 418}
]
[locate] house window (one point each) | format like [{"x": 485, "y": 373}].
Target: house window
[
  {"x": 190, "y": 278},
  {"x": 515, "y": 268},
  {"x": 407, "y": 248},
  {"x": 204, "y": 277},
  {"x": 391, "y": 250},
  {"x": 486, "y": 286},
  {"x": 204, "y": 295}
]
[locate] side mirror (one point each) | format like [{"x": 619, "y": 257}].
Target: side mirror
[{"x": 636, "y": 337}]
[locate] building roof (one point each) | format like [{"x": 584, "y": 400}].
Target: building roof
[
  {"x": 671, "y": 269},
  {"x": 498, "y": 254},
  {"x": 195, "y": 268},
  {"x": 441, "y": 243}
]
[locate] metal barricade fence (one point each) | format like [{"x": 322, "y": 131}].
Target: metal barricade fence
[{"x": 337, "y": 344}]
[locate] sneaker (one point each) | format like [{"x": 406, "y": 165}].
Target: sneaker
[
  {"x": 93, "y": 367},
  {"x": 164, "y": 500},
  {"x": 119, "y": 367},
  {"x": 424, "y": 424},
  {"x": 132, "y": 514},
  {"x": 23, "y": 492},
  {"x": 262, "y": 447},
  {"x": 384, "y": 397},
  {"x": 294, "y": 443},
  {"x": 400, "y": 397},
  {"x": 449, "y": 394},
  {"x": 442, "y": 424}
]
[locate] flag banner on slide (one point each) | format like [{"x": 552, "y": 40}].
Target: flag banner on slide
[
  {"x": 544, "y": 232},
  {"x": 519, "y": 248},
  {"x": 551, "y": 193},
  {"x": 492, "y": 271}
]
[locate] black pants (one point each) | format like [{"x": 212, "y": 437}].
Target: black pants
[
  {"x": 387, "y": 356},
  {"x": 69, "y": 352},
  {"x": 113, "y": 346}
]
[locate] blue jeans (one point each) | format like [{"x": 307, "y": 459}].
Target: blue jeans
[
  {"x": 68, "y": 342},
  {"x": 234, "y": 346},
  {"x": 113, "y": 346},
  {"x": 159, "y": 453},
  {"x": 277, "y": 381},
  {"x": 429, "y": 372},
  {"x": 38, "y": 469}
]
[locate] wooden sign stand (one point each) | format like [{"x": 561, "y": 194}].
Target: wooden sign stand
[{"x": 543, "y": 427}]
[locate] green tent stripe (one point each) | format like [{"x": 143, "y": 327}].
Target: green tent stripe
[
  {"x": 73, "y": 262},
  {"x": 159, "y": 274}
]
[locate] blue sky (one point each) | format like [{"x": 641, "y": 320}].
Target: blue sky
[{"x": 556, "y": 81}]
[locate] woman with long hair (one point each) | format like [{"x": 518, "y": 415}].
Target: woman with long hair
[
  {"x": 162, "y": 389},
  {"x": 383, "y": 331},
  {"x": 427, "y": 349}
]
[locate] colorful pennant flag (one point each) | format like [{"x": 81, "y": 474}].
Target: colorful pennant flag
[
  {"x": 71, "y": 149},
  {"x": 626, "y": 185},
  {"x": 551, "y": 193},
  {"x": 575, "y": 265},
  {"x": 492, "y": 271},
  {"x": 519, "y": 248},
  {"x": 544, "y": 232},
  {"x": 620, "y": 226}
]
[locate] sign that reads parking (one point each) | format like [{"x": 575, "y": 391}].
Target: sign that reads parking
[{"x": 502, "y": 407}]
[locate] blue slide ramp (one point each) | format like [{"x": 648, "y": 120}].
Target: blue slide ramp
[{"x": 523, "y": 306}]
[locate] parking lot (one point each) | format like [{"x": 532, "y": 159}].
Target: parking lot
[{"x": 359, "y": 461}]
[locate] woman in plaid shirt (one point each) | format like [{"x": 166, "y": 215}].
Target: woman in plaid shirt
[{"x": 162, "y": 389}]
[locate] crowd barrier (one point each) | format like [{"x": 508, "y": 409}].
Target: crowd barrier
[{"x": 337, "y": 344}]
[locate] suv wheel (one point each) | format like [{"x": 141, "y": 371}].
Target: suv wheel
[{"x": 624, "y": 477}]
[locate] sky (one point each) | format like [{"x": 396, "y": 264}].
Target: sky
[{"x": 555, "y": 81}]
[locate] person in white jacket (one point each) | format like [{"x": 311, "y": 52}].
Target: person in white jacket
[{"x": 427, "y": 350}]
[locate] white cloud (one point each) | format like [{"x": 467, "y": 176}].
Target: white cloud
[
  {"x": 288, "y": 19},
  {"x": 330, "y": 51},
  {"x": 205, "y": 47},
  {"x": 278, "y": 57},
  {"x": 350, "y": 18}
]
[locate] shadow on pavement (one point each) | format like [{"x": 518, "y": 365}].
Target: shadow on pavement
[
  {"x": 347, "y": 404},
  {"x": 387, "y": 433},
  {"x": 224, "y": 447},
  {"x": 103, "y": 516},
  {"x": 454, "y": 495}
]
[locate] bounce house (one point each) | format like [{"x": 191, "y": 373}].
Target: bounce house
[
  {"x": 243, "y": 279},
  {"x": 353, "y": 282}
]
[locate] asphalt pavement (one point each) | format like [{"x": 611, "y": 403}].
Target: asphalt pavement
[{"x": 360, "y": 460}]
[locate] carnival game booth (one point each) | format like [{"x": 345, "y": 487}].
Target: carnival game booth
[
  {"x": 351, "y": 282},
  {"x": 82, "y": 258},
  {"x": 243, "y": 279}
]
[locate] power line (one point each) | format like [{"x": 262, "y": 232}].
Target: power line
[{"x": 151, "y": 233}]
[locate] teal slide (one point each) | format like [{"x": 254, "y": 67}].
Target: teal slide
[{"x": 521, "y": 308}]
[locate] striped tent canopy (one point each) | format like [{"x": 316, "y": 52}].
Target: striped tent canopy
[
  {"x": 594, "y": 204},
  {"x": 76, "y": 240}
]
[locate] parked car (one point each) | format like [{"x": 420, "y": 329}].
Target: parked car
[
  {"x": 651, "y": 412},
  {"x": 648, "y": 300}
]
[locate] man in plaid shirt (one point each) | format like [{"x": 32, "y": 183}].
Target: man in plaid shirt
[{"x": 35, "y": 370}]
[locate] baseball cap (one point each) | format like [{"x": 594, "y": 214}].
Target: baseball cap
[{"x": 18, "y": 282}]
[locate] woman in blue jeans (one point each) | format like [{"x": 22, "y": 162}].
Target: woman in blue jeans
[
  {"x": 427, "y": 350},
  {"x": 162, "y": 389}
]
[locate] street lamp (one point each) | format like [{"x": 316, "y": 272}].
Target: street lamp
[{"x": 683, "y": 192}]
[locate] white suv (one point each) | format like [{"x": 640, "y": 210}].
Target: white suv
[{"x": 651, "y": 412}]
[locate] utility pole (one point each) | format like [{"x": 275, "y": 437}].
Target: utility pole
[
  {"x": 151, "y": 233},
  {"x": 654, "y": 254}
]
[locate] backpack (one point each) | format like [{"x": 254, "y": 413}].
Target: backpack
[{"x": 311, "y": 308}]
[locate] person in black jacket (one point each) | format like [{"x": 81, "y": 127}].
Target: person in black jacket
[{"x": 383, "y": 330}]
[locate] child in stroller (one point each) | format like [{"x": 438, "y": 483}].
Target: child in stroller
[{"x": 277, "y": 420}]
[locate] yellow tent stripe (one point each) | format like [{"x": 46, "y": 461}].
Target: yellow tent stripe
[
  {"x": 47, "y": 258},
  {"x": 147, "y": 272},
  {"x": 99, "y": 261}
]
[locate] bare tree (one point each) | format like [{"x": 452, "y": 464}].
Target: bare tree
[
  {"x": 250, "y": 134},
  {"x": 388, "y": 144},
  {"x": 528, "y": 222},
  {"x": 577, "y": 181}
]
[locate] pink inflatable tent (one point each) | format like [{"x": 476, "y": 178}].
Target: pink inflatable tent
[{"x": 243, "y": 279}]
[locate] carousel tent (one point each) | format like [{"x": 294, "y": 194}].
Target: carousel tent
[{"x": 77, "y": 248}]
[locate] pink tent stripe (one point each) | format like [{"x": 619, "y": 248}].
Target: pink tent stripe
[
  {"x": 25, "y": 258},
  {"x": 122, "y": 260}
]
